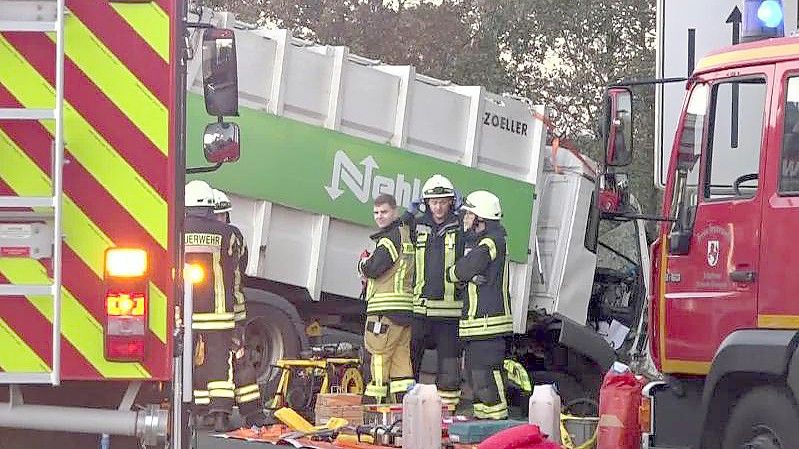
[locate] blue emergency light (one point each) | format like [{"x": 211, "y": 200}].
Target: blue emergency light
[
  {"x": 762, "y": 19},
  {"x": 770, "y": 13}
]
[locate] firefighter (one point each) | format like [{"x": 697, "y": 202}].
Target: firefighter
[
  {"x": 389, "y": 304},
  {"x": 213, "y": 248},
  {"x": 437, "y": 302},
  {"x": 245, "y": 376},
  {"x": 486, "y": 318}
]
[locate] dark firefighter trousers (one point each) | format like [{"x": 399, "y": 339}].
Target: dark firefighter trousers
[
  {"x": 441, "y": 335},
  {"x": 483, "y": 361},
  {"x": 223, "y": 374}
]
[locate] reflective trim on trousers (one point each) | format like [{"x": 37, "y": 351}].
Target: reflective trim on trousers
[
  {"x": 497, "y": 411},
  {"x": 401, "y": 385},
  {"x": 249, "y": 397},
  {"x": 450, "y": 397},
  {"x": 212, "y": 325}
]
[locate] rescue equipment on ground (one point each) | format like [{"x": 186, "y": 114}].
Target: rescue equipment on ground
[
  {"x": 544, "y": 410},
  {"x": 525, "y": 436},
  {"x": 340, "y": 405},
  {"x": 577, "y": 430},
  {"x": 472, "y": 432},
  {"x": 619, "y": 400},
  {"x": 421, "y": 418},
  {"x": 325, "y": 369}
]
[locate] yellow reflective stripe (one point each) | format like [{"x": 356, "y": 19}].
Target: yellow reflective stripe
[
  {"x": 486, "y": 321},
  {"x": 377, "y": 367},
  {"x": 443, "y": 304},
  {"x": 401, "y": 386},
  {"x": 157, "y": 312},
  {"x": 220, "y": 303},
  {"x": 205, "y": 317},
  {"x": 492, "y": 247},
  {"x": 376, "y": 391},
  {"x": 421, "y": 247},
  {"x": 78, "y": 326},
  {"x": 449, "y": 260},
  {"x": 389, "y": 245},
  {"x": 505, "y": 291},
  {"x": 370, "y": 288},
  {"x": 220, "y": 385},
  {"x": 214, "y": 393},
  {"x": 25, "y": 177},
  {"x": 213, "y": 325},
  {"x": 449, "y": 393},
  {"x": 485, "y": 330},
  {"x": 452, "y": 274},
  {"x": 252, "y": 388},
  {"x": 87, "y": 240},
  {"x": 150, "y": 22},
  {"x": 200, "y": 393},
  {"x": 121, "y": 86},
  {"x": 500, "y": 389},
  {"x": 249, "y": 397},
  {"x": 472, "y": 299},
  {"x": 99, "y": 158},
  {"x": 17, "y": 356},
  {"x": 443, "y": 313},
  {"x": 202, "y": 401}
]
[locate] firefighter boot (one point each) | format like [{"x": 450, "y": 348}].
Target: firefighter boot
[
  {"x": 222, "y": 422},
  {"x": 257, "y": 419}
]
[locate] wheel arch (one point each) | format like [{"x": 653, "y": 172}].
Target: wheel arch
[{"x": 745, "y": 360}]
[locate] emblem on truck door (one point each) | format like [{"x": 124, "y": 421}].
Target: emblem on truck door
[{"x": 713, "y": 252}]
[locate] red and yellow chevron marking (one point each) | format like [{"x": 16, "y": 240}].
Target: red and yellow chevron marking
[{"x": 118, "y": 184}]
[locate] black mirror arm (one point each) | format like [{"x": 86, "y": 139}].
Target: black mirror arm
[
  {"x": 209, "y": 169},
  {"x": 626, "y": 217}
]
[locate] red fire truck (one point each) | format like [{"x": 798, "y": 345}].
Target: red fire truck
[
  {"x": 724, "y": 312},
  {"x": 92, "y": 99}
]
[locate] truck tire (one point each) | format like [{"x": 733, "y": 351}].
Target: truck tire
[
  {"x": 274, "y": 331},
  {"x": 764, "y": 418}
]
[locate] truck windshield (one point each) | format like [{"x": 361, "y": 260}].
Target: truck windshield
[{"x": 618, "y": 247}]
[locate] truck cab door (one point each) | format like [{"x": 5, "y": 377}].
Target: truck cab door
[
  {"x": 712, "y": 261},
  {"x": 776, "y": 309}
]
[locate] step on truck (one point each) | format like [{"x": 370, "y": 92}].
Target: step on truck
[
  {"x": 327, "y": 131},
  {"x": 723, "y": 318},
  {"x": 92, "y": 151}
]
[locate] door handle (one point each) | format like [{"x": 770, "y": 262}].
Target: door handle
[{"x": 745, "y": 276}]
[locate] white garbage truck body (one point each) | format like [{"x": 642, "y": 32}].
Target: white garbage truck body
[{"x": 325, "y": 131}]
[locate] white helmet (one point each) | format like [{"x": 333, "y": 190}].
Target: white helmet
[
  {"x": 199, "y": 194},
  {"x": 222, "y": 203},
  {"x": 483, "y": 204},
  {"x": 438, "y": 186}
]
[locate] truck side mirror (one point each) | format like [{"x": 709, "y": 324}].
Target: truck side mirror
[
  {"x": 220, "y": 74},
  {"x": 221, "y": 142},
  {"x": 618, "y": 127}
]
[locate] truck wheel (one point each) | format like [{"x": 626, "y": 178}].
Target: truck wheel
[
  {"x": 271, "y": 333},
  {"x": 764, "y": 418}
]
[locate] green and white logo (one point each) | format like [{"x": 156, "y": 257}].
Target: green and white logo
[
  {"x": 315, "y": 169},
  {"x": 365, "y": 183}
]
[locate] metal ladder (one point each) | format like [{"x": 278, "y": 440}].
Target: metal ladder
[{"x": 25, "y": 16}]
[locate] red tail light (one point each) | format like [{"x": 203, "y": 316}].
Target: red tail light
[
  {"x": 124, "y": 349},
  {"x": 126, "y": 283},
  {"x": 126, "y": 325}
]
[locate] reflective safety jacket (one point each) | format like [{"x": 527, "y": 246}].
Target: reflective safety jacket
[
  {"x": 217, "y": 249},
  {"x": 438, "y": 246},
  {"x": 389, "y": 272},
  {"x": 484, "y": 267}
]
